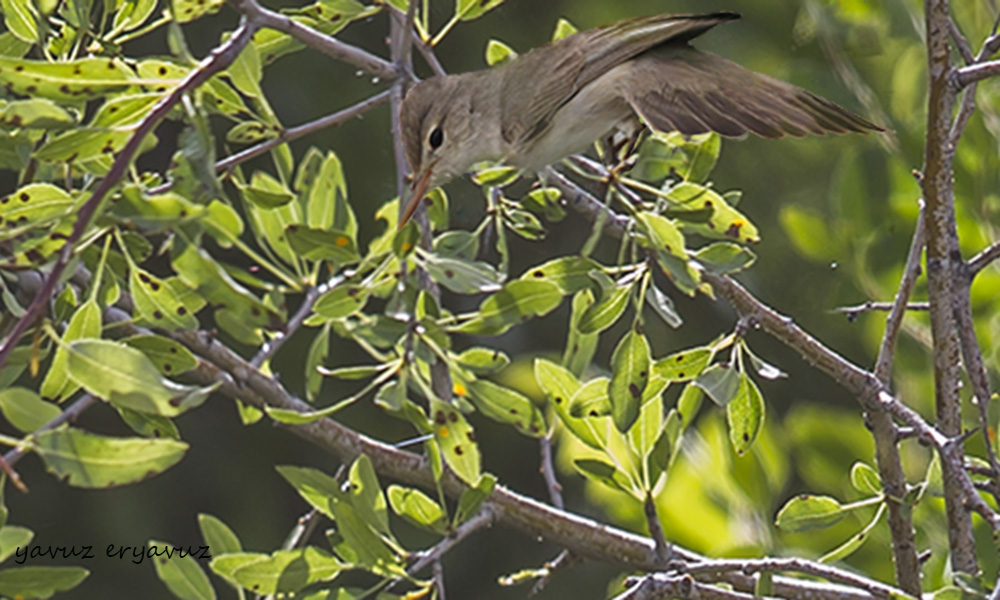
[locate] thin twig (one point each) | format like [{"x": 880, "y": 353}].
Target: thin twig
[
  {"x": 268, "y": 349},
  {"x": 961, "y": 42},
  {"x": 796, "y": 565},
  {"x": 549, "y": 471},
  {"x": 219, "y": 59},
  {"x": 982, "y": 260},
  {"x": 853, "y": 312},
  {"x": 316, "y": 40},
  {"x": 66, "y": 416},
  {"x": 655, "y": 528},
  {"x": 659, "y": 586}
]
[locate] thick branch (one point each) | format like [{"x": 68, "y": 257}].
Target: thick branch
[{"x": 972, "y": 73}]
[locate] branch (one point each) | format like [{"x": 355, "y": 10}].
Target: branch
[
  {"x": 330, "y": 46},
  {"x": 853, "y": 312},
  {"x": 549, "y": 471},
  {"x": 219, "y": 59},
  {"x": 970, "y": 74},
  {"x": 982, "y": 260},
  {"x": 268, "y": 349},
  {"x": 660, "y": 586}
]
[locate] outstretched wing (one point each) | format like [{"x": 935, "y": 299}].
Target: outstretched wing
[
  {"x": 539, "y": 82},
  {"x": 678, "y": 88}
]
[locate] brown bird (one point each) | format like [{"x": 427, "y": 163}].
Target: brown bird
[{"x": 558, "y": 99}]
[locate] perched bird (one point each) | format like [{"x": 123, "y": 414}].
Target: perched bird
[{"x": 558, "y": 99}]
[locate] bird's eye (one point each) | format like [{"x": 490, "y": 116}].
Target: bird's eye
[{"x": 436, "y": 138}]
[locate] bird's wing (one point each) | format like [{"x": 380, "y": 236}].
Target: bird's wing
[
  {"x": 678, "y": 88},
  {"x": 536, "y": 84}
]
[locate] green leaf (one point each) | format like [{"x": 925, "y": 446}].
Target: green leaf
[
  {"x": 865, "y": 479},
  {"x": 726, "y": 222},
  {"x": 327, "y": 205},
  {"x": 85, "y": 323},
  {"x": 472, "y": 498},
  {"x": 605, "y": 313},
  {"x": 150, "y": 426},
  {"x": 468, "y": 10},
  {"x": 516, "y": 303},
  {"x": 498, "y": 53},
  {"x": 322, "y": 244},
  {"x": 725, "y": 257},
  {"x": 580, "y": 347},
  {"x": 483, "y": 361},
  {"x": 630, "y": 375},
  {"x": 342, "y": 301},
  {"x": 745, "y": 415},
  {"x": 34, "y": 202},
  {"x": 807, "y": 512},
  {"x": 456, "y": 439},
  {"x": 603, "y": 472},
  {"x": 132, "y": 14},
  {"x": 366, "y": 495},
  {"x": 185, "y": 11},
  {"x": 507, "y": 406},
  {"x": 245, "y": 72},
  {"x": 12, "y": 539},
  {"x": 35, "y": 113},
  {"x": 264, "y": 191},
  {"x": 591, "y": 399},
  {"x": 282, "y": 572},
  {"x": 570, "y": 273},
  {"x": 683, "y": 365},
  {"x": 460, "y": 276},
  {"x": 92, "y": 461},
  {"x": 563, "y": 29},
  {"x": 417, "y": 508},
  {"x": 663, "y": 306},
  {"x": 676, "y": 155},
  {"x": 665, "y": 239},
  {"x": 182, "y": 574},
  {"x": 39, "y": 582},
  {"x": 157, "y": 303},
  {"x": 524, "y": 224},
  {"x": 560, "y": 387},
  {"x": 21, "y": 19},
  {"x": 315, "y": 359},
  {"x": 125, "y": 377},
  {"x": 457, "y": 244},
  {"x": 252, "y": 132},
  {"x": 217, "y": 535},
  {"x": 75, "y": 80},
  {"x": 720, "y": 382},
  {"x": 25, "y": 410},
  {"x": 170, "y": 357},
  {"x": 856, "y": 540},
  {"x": 313, "y": 485}
]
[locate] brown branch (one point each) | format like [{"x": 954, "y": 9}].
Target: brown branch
[
  {"x": 663, "y": 586},
  {"x": 219, "y": 59},
  {"x": 548, "y": 470},
  {"x": 982, "y": 260},
  {"x": 853, "y": 312},
  {"x": 316, "y": 40},
  {"x": 942, "y": 243},
  {"x": 968, "y": 75}
]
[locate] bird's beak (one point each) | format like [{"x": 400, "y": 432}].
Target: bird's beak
[{"x": 419, "y": 189}]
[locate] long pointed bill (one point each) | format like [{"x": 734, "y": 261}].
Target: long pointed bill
[{"x": 418, "y": 194}]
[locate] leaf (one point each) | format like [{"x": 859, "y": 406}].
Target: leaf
[
  {"x": 745, "y": 415},
  {"x": 35, "y": 113},
  {"x": 457, "y": 244},
  {"x": 150, "y": 426},
  {"x": 468, "y": 10},
  {"x": 524, "y": 224},
  {"x": 39, "y": 582},
  {"x": 507, "y": 406},
  {"x": 851, "y": 545},
  {"x": 170, "y": 357},
  {"x": 282, "y": 572},
  {"x": 665, "y": 239},
  {"x": 264, "y": 191},
  {"x": 251, "y": 132},
  {"x": 456, "y": 439},
  {"x": 570, "y": 273},
  {"x": 630, "y": 375},
  {"x": 417, "y": 508},
  {"x": 864, "y": 479},
  {"x": 21, "y": 19},
  {"x": 185, "y": 11},
  {"x": 663, "y": 306},
  {"x": 75, "y": 80},
  {"x": 605, "y": 313},
  {"x": 157, "y": 303},
  {"x": 461, "y": 276},
  {"x": 366, "y": 495},
  {"x": 91, "y": 461},
  {"x": 342, "y": 301},
  {"x": 498, "y": 53},
  {"x": 217, "y": 535},
  {"x": 327, "y": 205},
  {"x": 602, "y": 472},
  {"x": 591, "y": 399},
  {"x": 483, "y": 361},
  {"x": 726, "y": 222},
  {"x": 563, "y": 29},
  {"x": 517, "y": 302},
  {"x": 12, "y": 539},
  {"x": 725, "y": 257},
  {"x": 34, "y": 202},
  {"x": 132, "y": 14},
  {"x": 720, "y": 382},
  {"x": 85, "y": 323},
  {"x": 125, "y": 377},
  {"x": 182, "y": 574},
  {"x": 25, "y": 410},
  {"x": 684, "y": 365},
  {"x": 580, "y": 347},
  {"x": 560, "y": 387},
  {"x": 472, "y": 498},
  {"x": 315, "y": 359},
  {"x": 805, "y": 512},
  {"x": 318, "y": 244},
  {"x": 245, "y": 71}
]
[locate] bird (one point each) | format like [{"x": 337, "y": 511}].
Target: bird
[{"x": 557, "y": 100}]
